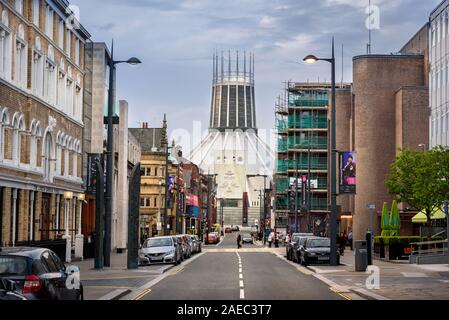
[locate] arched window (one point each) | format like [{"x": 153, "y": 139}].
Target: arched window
[
  {"x": 18, "y": 139},
  {"x": 69, "y": 159},
  {"x": 36, "y": 145},
  {"x": 5, "y": 47},
  {"x": 48, "y": 153},
  {"x": 5, "y": 135},
  {"x": 70, "y": 92},
  {"x": 59, "y": 153}
]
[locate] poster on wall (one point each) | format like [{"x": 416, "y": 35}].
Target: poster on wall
[{"x": 348, "y": 172}]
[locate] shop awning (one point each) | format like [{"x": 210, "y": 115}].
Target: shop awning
[{"x": 421, "y": 217}]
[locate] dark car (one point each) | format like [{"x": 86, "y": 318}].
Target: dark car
[
  {"x": 316, "y": 251},
  {"x": 290, "y": 246},
  {"x": 39, "y": 274},
  {"x": 297, "y": 247},
  {"x": 8, "y": 291}
]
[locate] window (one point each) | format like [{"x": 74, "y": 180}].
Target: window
[
  {"x": 155, "y": 202},
  {"x": 148, "y": 172},
  {"x": 61, "y": 34},
  {"x": 61, "y": 92},
  {"x": 69, "y": 110},
  {"x": 438, "y": 31},
  {"x": 5, "y": 47},
  {"x": 142, "y": 201},
  {"x": 36, "y": 11},
  {"x": 433, "y": 37},
  {"x": 21, "y": 59},
  {"x": 77, "y": 51},
  {"x": 68, "y": 43},
  {"x": 78, "y": 104},
  {"x": 4, "y": 134},
  {"x": 49, "y": 20},
  {"x": 38, "y": 69},
  {"x": 155, "y": 171},
  {"x": 19, "y": 6}
]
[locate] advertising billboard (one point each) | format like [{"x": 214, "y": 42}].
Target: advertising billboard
[{"x": 348, "y": 172}]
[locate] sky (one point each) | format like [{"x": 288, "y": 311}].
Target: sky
[{"x": 175, "y": 39}]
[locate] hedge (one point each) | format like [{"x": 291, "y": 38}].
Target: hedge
[{"x": 397, "y": 240}]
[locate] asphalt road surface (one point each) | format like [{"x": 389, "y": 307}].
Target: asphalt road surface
[{"x": 223, "y": 273}]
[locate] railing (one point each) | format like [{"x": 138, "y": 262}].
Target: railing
[
  {"x": 303, "y": 164},
  {"x": 308, "y": 123},
  {"x": 283, "y": 145},
  {"x": 316, "y": 143},
  {"x": 308, "y": 103},
  {"x": 429, "y": 248}
]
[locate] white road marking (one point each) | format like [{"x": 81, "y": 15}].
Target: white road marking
[
  {"x": 414, "y": 275},
  {"x": 240, "y": 269},
  {"x": 241, "y": 284},
  {"x": 240, "y": 276},
  {"x": 242, "y": 294}
]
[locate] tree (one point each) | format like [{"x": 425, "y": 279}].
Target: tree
[{"x": 420, "y": 179}]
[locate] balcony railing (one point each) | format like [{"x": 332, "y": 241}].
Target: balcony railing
[
  {"x": 308, "y": 123},
  {"x": 313, "y": 143},
  {"x": 303, "y": 164},
  {"x": 308, "y": 103}
]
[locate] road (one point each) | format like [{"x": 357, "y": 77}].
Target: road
[{"x": 223, "y": 273}]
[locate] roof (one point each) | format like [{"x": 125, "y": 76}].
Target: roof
[
  {"x": 148, "y": 138},
  {"x": 22, "y": 251}
]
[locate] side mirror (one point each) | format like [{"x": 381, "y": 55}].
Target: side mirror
[{"x": 51, "y": 276}]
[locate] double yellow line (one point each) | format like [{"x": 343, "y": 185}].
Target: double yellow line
[
  {"x": 142, "y": 294},
  {"x": 341, "y": 294}
]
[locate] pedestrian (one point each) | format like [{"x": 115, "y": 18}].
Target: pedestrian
[
  {"x": 341, "y": 242},
  {"x": 287, "y": 239},
  {"x": 270, "y": 239},
  {"x": 276, "y": 240},
  {"x": 350, "y": 240},
  {"x": 239, "y": 241}
]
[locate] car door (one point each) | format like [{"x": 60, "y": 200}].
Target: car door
[
  {"x": 53, "y": 279},
  {"x": 73, "y": 292}
]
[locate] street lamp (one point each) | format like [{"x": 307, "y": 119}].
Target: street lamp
[
  {"x": 109, "y": 154},
  {"x": 333, "y": 205},
  {"x": 79, "y": 238},
  {"x": 68, "y": 195}
]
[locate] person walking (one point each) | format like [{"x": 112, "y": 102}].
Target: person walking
[
  {"x": 350, "y": 240},
  {"x": 239, "y": 241},
  {"x": 270, "y": 239},
  {"x": 341, "y": 242}
]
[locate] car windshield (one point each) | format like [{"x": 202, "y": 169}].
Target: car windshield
[
  {"x": 319, "y": 243},
  {"x": 294, "y": 239},
  {"x": 13, "y": 265},
  {"x": 158, "y": 242}
]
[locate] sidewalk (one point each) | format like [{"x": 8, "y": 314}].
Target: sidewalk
[
  {"x": 398, "y": 281},
  {"x": 115, "y": 282}
]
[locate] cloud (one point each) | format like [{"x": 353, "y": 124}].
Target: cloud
[{"x": 267, "y": 22}]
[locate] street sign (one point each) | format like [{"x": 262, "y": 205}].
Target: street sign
[{"x": 372, "y": 206}]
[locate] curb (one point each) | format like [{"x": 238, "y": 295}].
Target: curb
[{"x": 117, "y": 294}]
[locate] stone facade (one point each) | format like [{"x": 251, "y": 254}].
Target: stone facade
[{"x": 41, "y": 125}]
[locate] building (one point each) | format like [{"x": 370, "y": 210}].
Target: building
[
  {"x": 233, "y": 151},
  {"x": 41, "y": 122},
  {"x": 154, "y": 160},
  {"x": 439, "y": 75},
  {"x": 302, "y": 125},
  {"x": 390, "y": 112},
  {"x": 126, "y": 147}
]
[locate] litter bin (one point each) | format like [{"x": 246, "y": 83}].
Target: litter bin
[{"x": 361, "y": 256}]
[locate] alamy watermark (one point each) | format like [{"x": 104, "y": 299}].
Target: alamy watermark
[
  {"x": 373, "y": 280},
  {"x": 73, "y": 19},
  {"x": 372, "y": 22}
]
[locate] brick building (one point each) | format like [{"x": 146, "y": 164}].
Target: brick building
[{"x": 41, "y": 124}]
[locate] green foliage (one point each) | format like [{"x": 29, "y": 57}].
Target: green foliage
[
  {"x": 397, "y": 240},
  {"x": 385, "y": 221},
  {"x": 395, "y": 220},
  {"x": 420, "y": 179}
]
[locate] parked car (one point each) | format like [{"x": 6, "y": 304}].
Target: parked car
[
  {"x": 39, "y": 274},
  {"x": 160, "y": 250},
  {"x": 246, "y": 238},
  {"x": 8, "y": 291},
  {"x": 186, "y": 248},
  {"x": 316, "y": 250},
  {"x": 289, "y": 246},
  {"x": 228, "y": 230},
  {"x": 199, "y": 243},
  {"x": 213, "y": 238},
  {"x": 297, "y": 246},
  {"x": 193, "y": 244}
]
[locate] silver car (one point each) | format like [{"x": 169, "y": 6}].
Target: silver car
[{"x": 160, "y": 250}]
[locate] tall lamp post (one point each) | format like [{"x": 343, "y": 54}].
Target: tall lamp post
[
  {"x": 68, "y": 195},
  {"x": 333, "y": 204},
  {"x": 110, "y": 155}
]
